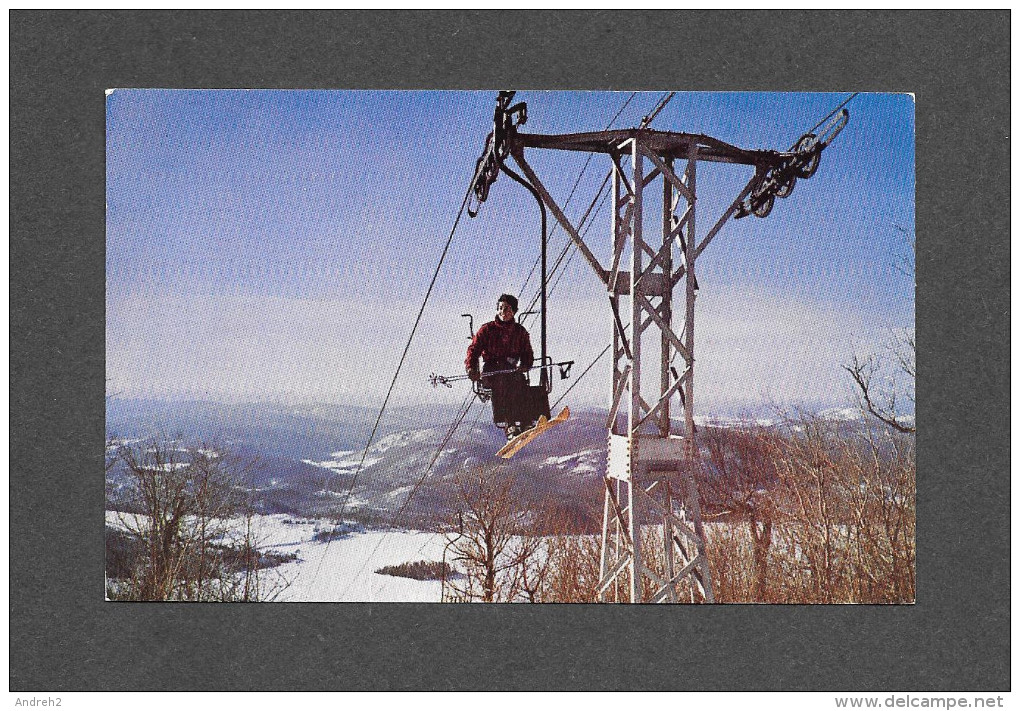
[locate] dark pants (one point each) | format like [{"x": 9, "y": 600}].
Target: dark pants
[{"x": 509, "y": 398}]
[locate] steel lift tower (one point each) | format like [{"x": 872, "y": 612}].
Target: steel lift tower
[{"x": 651, "y": 497}]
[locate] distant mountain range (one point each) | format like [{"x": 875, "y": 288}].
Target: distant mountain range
[{"x": 310, "y": 458}]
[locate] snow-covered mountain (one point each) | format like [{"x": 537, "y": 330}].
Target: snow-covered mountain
[{"x": 312, "y": 462}]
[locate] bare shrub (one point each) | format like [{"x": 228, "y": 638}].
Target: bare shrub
[
  {"x": 848, "y": 503},
  {"x": 507, "y": 553},
  {"x": 572, "y": 573},
  {"x": 811, "y": 511},
  {"x": 732, "y": 563},
  {"x": 816, "y": 511},
  {"x": 742, "y": 473},
  {"x": 191, "y": 527},
  {"x": 419, "y": 570}
]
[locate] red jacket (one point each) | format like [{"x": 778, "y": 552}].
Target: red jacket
[{"x": 502, "y": 345}]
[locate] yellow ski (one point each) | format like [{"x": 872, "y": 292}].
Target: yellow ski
[{"x": 517, "y": 443}]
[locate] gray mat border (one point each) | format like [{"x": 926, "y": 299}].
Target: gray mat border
[{"x": 64, "y": 637}]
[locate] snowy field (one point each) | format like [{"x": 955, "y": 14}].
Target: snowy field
[{"x": 343, "y": 569}]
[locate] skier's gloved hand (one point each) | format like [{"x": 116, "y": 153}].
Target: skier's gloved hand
[{"x": 473, "y": 374}]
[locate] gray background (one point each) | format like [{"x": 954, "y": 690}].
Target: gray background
[{"x": 63, "y": 636}]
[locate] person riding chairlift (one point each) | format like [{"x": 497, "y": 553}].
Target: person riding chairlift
[{"x": 503, "y": 345}]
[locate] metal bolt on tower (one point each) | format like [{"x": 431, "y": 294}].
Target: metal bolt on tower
[{"x": 651, "y": 497}]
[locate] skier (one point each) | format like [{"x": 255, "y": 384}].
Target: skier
[{"x": 503, "y": 345}]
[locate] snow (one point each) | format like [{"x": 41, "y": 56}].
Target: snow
[
  {"x": 403, "y": 439},
  {"x": 721, "y": 422},
  {"x": 581, "y": 463},
  {"x": 339, "y": 466},
  {"x": 342, "y": 569},
  {"x": 170, "y": 466},
  {"x": 122, "y": 442},
  {"x": 124, "y": 521},
  {"x": 842, "y": 414},
  {"x": 353, "y": 502}
]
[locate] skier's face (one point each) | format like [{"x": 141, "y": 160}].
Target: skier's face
[{"x": 504, "y": 312}]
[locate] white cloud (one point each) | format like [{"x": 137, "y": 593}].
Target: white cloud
[{"x": 750, "y": 346}]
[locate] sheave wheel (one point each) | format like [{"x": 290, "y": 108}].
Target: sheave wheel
[
  {"x": 763, "y": 206},
  {"x": 811, "y": 155}
]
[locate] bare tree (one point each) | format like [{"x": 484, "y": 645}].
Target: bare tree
[
  {"x": 191, "y": 518},
  {"x": 529, "y": 567},
  {"x": 481, "y": 540},
  {"x": 884, "y": 381},
  {"x": 161, "y": 498},
  {"x": 743, "y": 463},
  {"x": 882, "y": 400}
]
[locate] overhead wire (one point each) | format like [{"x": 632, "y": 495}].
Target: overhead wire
[
  {"x": 464, "y": 408},
  {"x": 644, "y": 124},
  {"x": 458, "y": 417},
  {"x": 583, "y": 227},
  {"x": 563, "y": 253},
  {"x": 609, "y": 346},
  {"x": 810, "y": 130},
  {"x": 558, "y": 270},
  {"x": 584, "y": 373},
  {"x": 407, "y": 346},
  {"x": 461, "y": 415},
  {"x": 833, "y": 112},
  {"x": 391, "y": 525},
  {"x": 647, "y": 120},
  {"x": 470, "y": 399},
  {"x": 400, "y": 364},
  {"x": 553, "y": 288},
  {"x": 570, "y": 196}
]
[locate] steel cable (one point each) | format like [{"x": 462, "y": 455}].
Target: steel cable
[
  {"x": 470, "y": 400},
  {"x": 403, "y": 357},
  {"x": 833, "y": 112},
  {"x": 464, "y": 408},
  {"x": 577, "y": 182}
]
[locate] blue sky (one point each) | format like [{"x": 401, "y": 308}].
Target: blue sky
[{"x": 276, "y": 245}]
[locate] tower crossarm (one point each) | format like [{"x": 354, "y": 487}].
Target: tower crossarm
[{"x": 668, "y": 144}]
